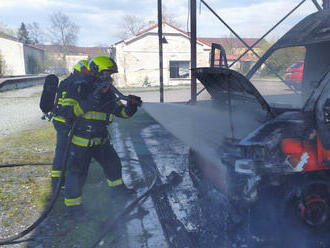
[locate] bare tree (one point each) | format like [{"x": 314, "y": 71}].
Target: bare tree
[
  {"x": 63, "y": 31},
  {"x": 231, "y": 44},
  {"x": 36, "y": 35},
  {"x": 169, "y": 17},
  {"x": 130, "y": 25}
]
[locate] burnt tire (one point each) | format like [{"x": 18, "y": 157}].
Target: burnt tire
[{"x": 298, "y": 229}]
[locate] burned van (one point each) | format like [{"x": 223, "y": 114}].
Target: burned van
[{"x": 283, "y": 151}]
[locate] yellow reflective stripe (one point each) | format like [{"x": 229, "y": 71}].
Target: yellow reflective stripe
[
  {"x": 111, "y": 118},
  {"x": 60, "y": 101},
  {"x": 87, "y": 142},
  {"x": 93, "y": 115},
  {"x": 80, "y": 141},
  {"x": 59, "y": 118},
  {"x": 55, "y": 173},
  {"x": 123, "y": 113},
  {"x": 68, "y": 102},
  {"x": 96, "y": 141},
  {"x": 77, "y": 109},
  {"x": 115, "y": 183},
  {"x": 72, "y": 102},
  {"x": 73, "y": 201}
]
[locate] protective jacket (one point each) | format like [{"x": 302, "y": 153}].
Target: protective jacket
[
  {"x": 62, "y": 129},
  {"x": 61, "y": 92},
  {"x": 93, "y": 111}
]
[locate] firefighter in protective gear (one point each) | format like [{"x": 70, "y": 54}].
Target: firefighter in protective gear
[
  {"x": 62, "y": 129},
  {"x": 92, "y": 113}
]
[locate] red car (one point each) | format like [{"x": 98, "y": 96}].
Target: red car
[{"x": 295, "y": 74}]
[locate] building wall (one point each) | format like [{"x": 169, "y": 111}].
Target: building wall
[
  {"x": 13, "y": 54},
  {"x": 34, "y": 60},
  {"x": 71, "y": 60},
  {"x": 138, "y": 59}
]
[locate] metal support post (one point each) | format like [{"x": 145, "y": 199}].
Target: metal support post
[
  {"x": 193, "y": 52},
  {"x": 269, "y": 31},
  {"x": 160, "y": 40},
  {"x": 319, "y": 8}
]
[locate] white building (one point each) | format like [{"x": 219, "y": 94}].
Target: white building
[
  {"x": 19, "y": 59},
  {"x": 138, "y": 57}
]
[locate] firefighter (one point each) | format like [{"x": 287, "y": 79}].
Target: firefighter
[
  {"x": 91, "y": 113},
  {"x": 62, "y": 129}
]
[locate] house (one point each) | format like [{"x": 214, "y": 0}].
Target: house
[
  {"x": 138, "y": 56},
  {"x": 73, "y": 54},
  {"x": 17, "y": 58}
]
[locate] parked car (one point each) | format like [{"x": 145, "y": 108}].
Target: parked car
[
  {"x": 279, "y": 166},
  {"x": 295, "y": 74}
]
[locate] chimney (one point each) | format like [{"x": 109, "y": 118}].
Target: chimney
[{"x": 152, "y": 23}]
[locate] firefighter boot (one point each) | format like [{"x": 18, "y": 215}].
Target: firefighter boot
[
  {"x": 76, "y": 213},
  {"x": 55, "y": 181},
  {"x": 121, "y": 192}
]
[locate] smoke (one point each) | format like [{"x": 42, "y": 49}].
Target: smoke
[{"x": 203, "y": 128}]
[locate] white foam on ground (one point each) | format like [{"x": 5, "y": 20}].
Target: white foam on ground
[
  {"x": 145, "y": 232},
  {"x": 170, "y": 155}
]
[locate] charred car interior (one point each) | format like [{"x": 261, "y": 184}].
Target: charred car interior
[{"x": 281, "y": 152}]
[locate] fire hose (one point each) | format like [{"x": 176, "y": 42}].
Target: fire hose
[{"x": 14, "y": 239}]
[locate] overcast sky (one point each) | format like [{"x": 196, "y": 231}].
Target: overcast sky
[{"x": 99, "y": 19}]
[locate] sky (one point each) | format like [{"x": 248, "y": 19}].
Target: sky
[{"x": 99, "y": 20}]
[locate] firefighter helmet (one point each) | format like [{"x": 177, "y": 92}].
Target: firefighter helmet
[
  {"x": 81, "y": 67},
  {"x": 102, "y": 63}
]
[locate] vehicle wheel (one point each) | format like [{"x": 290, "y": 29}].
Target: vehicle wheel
[
  {"x": 311, "y": 211},
  {"x": 304, "y": 216}
]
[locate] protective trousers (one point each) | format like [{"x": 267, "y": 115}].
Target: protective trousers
[
  {"x": 62, "y": 132},
  {"x": 78, "y": 164}
]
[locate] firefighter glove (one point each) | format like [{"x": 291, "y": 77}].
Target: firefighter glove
[{"x": 134, "y": 100}]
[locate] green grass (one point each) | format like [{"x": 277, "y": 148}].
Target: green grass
[{"x": 28, "y": 187}]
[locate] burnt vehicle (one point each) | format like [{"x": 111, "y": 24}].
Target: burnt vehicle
[{"x": 283, "y": 153}]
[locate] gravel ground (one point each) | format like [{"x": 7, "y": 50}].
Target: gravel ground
[{"x": 20, "y": 110}]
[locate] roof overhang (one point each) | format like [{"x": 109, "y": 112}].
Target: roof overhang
[{"x": 314, "y": 28}]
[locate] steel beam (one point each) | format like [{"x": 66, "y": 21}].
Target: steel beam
[
  {"x": 193, "y": 57},
  {"x": 269, "y": 31},
  {"x": 160, "y": 41},
  {"x": 319, "y": 8}
]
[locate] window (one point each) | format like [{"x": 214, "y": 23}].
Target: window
[
  {"x": 179, "y": 69},
  {"x": 279, "y": 78}
]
